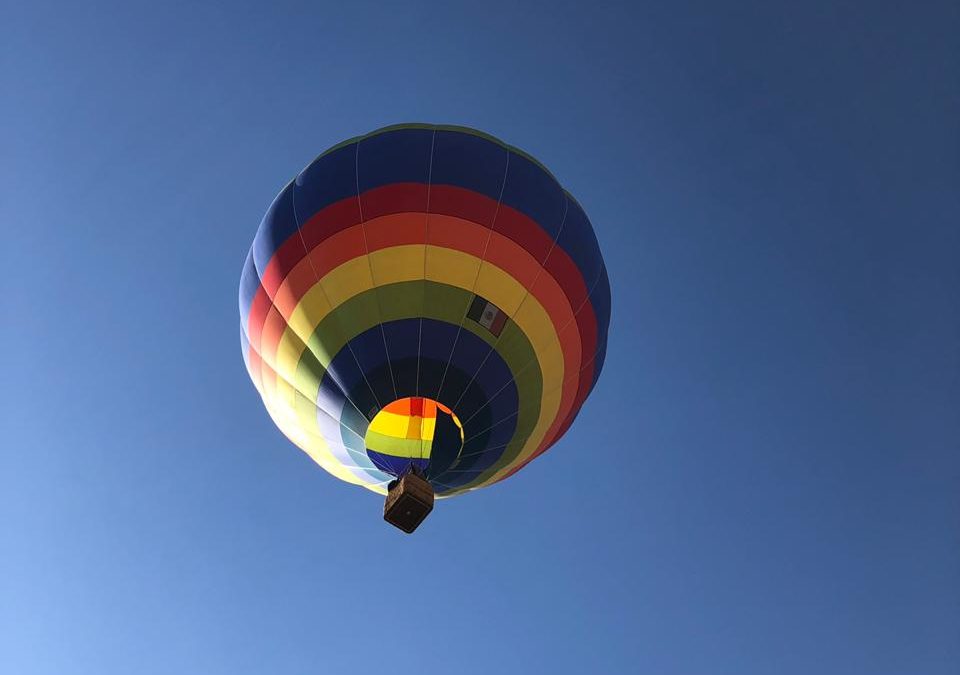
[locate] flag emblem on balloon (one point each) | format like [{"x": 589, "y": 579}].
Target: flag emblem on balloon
[{"x": 487, "y": 315}]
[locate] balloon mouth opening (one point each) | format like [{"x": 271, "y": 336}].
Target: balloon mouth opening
[{"x": 411, "y": 434}]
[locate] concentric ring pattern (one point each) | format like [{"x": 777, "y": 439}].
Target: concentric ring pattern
[{"x": 428, "y": 262}]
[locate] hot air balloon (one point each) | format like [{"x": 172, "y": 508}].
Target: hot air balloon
[{"x": 424, "y": 311}]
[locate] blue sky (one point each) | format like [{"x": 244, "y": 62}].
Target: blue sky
[{"x": 765, "y": 479}]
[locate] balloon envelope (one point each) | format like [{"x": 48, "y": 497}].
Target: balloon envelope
[{"x": 424, "y": 296}]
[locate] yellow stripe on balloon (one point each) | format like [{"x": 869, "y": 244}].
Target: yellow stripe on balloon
[{"x": 399, "y": 263}]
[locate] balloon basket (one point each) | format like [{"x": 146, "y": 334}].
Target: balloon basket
[{"x": 409, "y": 501}]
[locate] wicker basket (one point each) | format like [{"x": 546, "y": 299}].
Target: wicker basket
[{"x": 409, "y": 501}]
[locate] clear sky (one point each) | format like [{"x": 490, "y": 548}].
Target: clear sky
[{"x": 766, "y": 479}]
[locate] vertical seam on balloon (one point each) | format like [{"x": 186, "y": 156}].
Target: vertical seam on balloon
[
  {"x": 476, "y": 278},
  {"x": 426, "y": 230},
  {"x": 376, "y": 290},
  {"x": 423, "y": 285}
]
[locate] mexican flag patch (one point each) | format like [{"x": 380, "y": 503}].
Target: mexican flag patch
[{"x": 487, "y": 315}]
